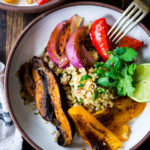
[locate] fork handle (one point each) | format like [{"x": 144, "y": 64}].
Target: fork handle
[
  {"x": 144, "y": 4},
  {"x": 147, "y": 3}
]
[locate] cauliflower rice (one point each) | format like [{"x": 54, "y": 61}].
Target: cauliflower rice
[{"x": 70, "y": 79}]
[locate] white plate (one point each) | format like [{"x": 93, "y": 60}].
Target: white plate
[{"x": 32, "y": 42}]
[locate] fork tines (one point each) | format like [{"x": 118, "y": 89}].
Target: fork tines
[{"x": 130, "y": 17}]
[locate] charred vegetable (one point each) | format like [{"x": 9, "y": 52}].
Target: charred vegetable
[
  {"x": 76, "y": 50},
  {"x": 92, "y": 131},
  {"x": 42, "y": 97},
  {"x": 50, "y": 102},
  {"x": 59, "y": 38},
  {"x": 99, "y": 39},
  {"x": 122, "y": 132},
  {"x": 124, "y": 109},
  {"x": 25, "y": 74}
]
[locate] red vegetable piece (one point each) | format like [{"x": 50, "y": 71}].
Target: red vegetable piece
[
  {"x": 76, "y": 51},
  {"x": 57, "y": 43},
  {"x": 130, "y": 42},
  {"x": 127, "y": 41},
  {"x": 99, "y": 38},
  {"x": 70, "y": 27},
  {"x": 40, "y": 2},
  {"x": 53, "y": 46}
]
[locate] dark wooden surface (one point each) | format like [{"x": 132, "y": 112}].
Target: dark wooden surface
[{"x": 11, "y": 25}]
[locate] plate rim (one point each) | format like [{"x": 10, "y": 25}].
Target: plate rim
[
  {"x": 99, "y": 4},
  {"x": 31, "y": 9}
]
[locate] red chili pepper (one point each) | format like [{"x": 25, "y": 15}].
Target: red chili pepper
[
  {"x": 98, "y": 35},
  {"x": 40, "y": 2}
]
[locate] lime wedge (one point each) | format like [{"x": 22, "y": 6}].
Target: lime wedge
[{"x": 142, "y": 87}]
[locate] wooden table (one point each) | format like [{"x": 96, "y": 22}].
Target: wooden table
[{"x": 12, "y": 24}]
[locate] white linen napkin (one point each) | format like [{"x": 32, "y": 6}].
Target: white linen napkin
[{"x": 10, "y": 137}]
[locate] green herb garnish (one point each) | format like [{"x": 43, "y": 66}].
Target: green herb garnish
[
  {"x": 81, "y": 85},
  {"x": 79, "y": 101},
  {"x": 129, "y": 55},
  {"x": 131, "y": 69},
  {"x": 85, "y": 77},
  {"x": 98, "y": 64},
  {"x": 101, "y": 90},
  {"x": 95, "y": 95},
  {"x": 117, "y": 72},
  {"x": 61, "y": 74}
]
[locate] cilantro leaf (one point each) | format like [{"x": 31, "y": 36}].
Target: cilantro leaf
[
  {"x": 131, "y": 69},
  {"x": 113, "y": 60},
  {"x": 111, "y": 74},
  {"x": 117, "y": 72},
  {"x": 124, "y": 71},
  {"x": 129, "y": 55},
  {"x": 104, "y": 81},
  {"x": 79, "y": 101},
  {"x": 119, "y": 50},
  {"x": 101, "y": 90},
  {"x": 125, "y": 86},
  {"x": 121, "y": 89},
  {"x": 98, "y": 64},
  {"x": 85, "y": 77},
  {"x": 95, "y": 95},
  {"x": 81, "y": 85},
  {"x": 129, "y": 87},
  {"x": 100, "y": 72}
]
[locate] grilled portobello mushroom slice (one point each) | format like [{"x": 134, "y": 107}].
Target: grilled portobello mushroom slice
[
  {"x": 25, "y": 75},
  {"x": 51, "y": 101},
  {"x": 42, "y": 97}
]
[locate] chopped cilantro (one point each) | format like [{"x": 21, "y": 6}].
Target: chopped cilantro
[
  {"x": 61, "y": 74},
  {"x": 119, "y": 50},
  {"x": 85, "y": 77},
  {"x": 103, "y": 81},
  {"x": 98, "y": 64},
  {"x": 79, "y": 101},
  {"x": 131, "y": 69},
  {"x": 95, "y": 95},
  {"x": 125, "y": 87},
  {"x": 99, "y": 71},
  {"x": 117, "y": 72},
  {"x": 101, "y": 90},
  {"x": 81, "y": 85},
  {"x": 129, "y": 55}
]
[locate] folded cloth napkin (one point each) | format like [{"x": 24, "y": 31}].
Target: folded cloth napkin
[{"x": 10, "y": 137}]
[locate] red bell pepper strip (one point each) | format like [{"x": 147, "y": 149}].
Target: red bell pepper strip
[
  {"x": 98, "y": 35},
  {"x": 40, "y": 2},
  {"x": 127, "y": 41},
  {"x": 130, "y": 42}
]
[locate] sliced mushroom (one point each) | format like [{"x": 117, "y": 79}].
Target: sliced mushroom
[{"x": 51, "y": 101}]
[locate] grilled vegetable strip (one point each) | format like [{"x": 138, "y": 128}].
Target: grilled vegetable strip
[
  {"x": 50, "y": 101},
  {"x": 122, "y": 132},
  {"x": 42, "y": 96},
  {"x": 25, "y": 74},
  {"x": 123, "y": 111},
  {"x": 99, "y": 38},
  {"x": 92, "y": 131}
]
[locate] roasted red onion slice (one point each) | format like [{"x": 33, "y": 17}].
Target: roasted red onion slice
[
  {"x": 76, "y": 51},
  {"x": 57, "y": 43},
  {"x": 53, "y": 45}
]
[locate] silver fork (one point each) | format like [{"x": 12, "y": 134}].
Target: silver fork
[{"x": 136, "y": 11}]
